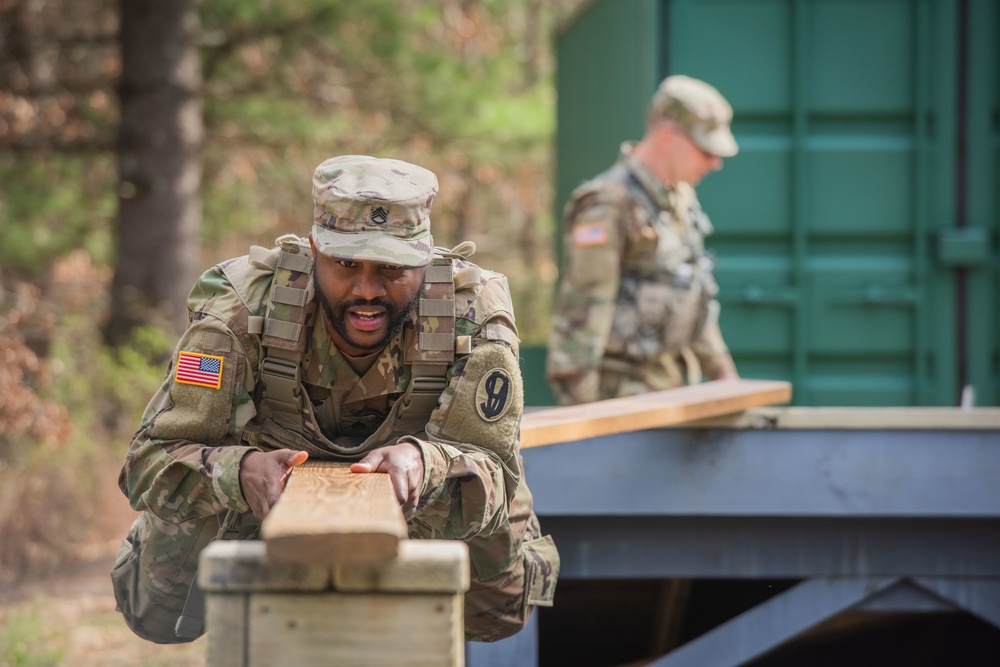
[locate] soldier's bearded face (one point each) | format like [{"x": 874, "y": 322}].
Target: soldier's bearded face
[{"x": 364, "y": 303}]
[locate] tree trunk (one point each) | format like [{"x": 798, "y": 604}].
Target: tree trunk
[{"x": 159, "y": 147}]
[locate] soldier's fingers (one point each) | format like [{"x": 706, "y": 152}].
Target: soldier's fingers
[
  {"x": 370, "y": 463},
  {"x": 293, "y": 458},
  {"x": 400, "y": 485}
]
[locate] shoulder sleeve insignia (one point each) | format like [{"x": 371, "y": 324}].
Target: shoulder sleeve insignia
[
  {"x": 492, "y": 393},
  {"x": 202, "y": 370},
  {"x": 590, "y": 234}
]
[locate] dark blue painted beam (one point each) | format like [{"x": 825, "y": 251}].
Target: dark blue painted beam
[
  {"x": 782, "y": 473},
  {"x": 602, "y": 547}
]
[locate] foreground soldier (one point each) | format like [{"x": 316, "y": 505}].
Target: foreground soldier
[
  {"x": 363, "y": 344},
  {"x": 636, "y": 309}
]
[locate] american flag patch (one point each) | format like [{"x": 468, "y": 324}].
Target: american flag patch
[
  {"x": 203, "y": 370},
  {"x": 591, "y": 233}
]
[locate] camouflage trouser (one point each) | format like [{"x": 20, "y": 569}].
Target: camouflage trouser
[{"x": 156, "y": 566}]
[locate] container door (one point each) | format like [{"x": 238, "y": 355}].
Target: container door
[{"x": 856, "y": 229}]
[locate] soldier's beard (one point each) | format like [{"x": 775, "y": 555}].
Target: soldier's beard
[{"x": 336, "y": 315}]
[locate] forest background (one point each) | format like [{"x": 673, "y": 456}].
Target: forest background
[{"x": 141, "y": 142}]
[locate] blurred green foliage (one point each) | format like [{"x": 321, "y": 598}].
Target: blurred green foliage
[{"x": 51, "y": 205}]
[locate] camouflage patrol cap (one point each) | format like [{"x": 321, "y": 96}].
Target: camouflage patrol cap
[
  {"x": 698, "y": 108},
  {"x": 373, "y": 209}
]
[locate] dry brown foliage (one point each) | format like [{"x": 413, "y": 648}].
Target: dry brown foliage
[{"x": 50, "y": 513}]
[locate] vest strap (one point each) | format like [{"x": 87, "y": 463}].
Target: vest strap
[
  {"x": 279, "y": 375},
  {"x": 291, "y": 296},
  {"x": 437, "y": 342},
  {"x": 289, "y": 331},
  {"x": 283, "y": 327},
  {"x": 295, "y": 262},
  {"x": 439, "y": 273},
  {"x": 437, "y": 307}
]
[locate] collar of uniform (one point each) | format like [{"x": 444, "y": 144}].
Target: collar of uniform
[
  {"x": 326, "y": 366},
  {"x": 660, "y": 193}
]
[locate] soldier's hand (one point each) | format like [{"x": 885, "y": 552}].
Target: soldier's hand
[
  {"x": 405, "y": 466},
  {"x": 263, "y": 476}
]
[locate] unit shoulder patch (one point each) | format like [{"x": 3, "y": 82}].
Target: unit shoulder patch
[
  {"x": 483, "y": 402},
  {"x": 492, "y": 394}
]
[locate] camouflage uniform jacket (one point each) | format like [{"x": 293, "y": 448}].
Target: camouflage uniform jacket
[
  {"x": 635, "y": 310},
  {"x": 183, "y": 463}
]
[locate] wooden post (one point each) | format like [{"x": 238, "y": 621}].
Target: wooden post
[{"x": 407, "y": 611}]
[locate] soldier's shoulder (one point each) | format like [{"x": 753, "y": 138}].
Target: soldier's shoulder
[
  {"x": 604, "y": 191},
  {"x": 233, "y": 288},
  {"x": 482, "y": 294},
  {"x": 606, "y": 186}
]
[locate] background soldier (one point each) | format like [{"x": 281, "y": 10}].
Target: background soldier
[
  {"x": 339, "y": 348},
  {"x": 636, "y": 309}
]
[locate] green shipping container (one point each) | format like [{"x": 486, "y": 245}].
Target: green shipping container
[{"x": 857, "y": 230}]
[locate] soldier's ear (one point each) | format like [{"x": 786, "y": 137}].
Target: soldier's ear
[{"x": 312, "y": 244}]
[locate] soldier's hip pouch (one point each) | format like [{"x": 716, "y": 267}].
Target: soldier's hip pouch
[{"x": 541, "y": 571}]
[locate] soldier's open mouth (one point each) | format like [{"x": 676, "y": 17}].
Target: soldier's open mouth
[{"x": 366, "y": 320}]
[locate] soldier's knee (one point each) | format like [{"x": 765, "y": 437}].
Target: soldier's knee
[
  {"x": 151, "y": 592},
  {"x": 149, "y": 613}
]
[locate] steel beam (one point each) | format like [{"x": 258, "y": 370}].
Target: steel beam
[{"x": 770, "y": 623}]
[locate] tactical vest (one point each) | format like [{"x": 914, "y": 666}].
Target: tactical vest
[
  {"x": 284, "y": 413},
  {"x": 691, "y": 282}
]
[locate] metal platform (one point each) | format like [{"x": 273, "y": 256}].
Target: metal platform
[{"x": 881, "y": 517}]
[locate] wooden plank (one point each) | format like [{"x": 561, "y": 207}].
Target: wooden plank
[
  {"x": 652, "y": 410},
  {"x": 327, "y": 514}
]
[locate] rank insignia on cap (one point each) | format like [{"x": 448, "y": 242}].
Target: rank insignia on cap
[
  {"x": 491, "y": 395},
  {"x": 589, "y": 234},
  {"x": 379, "y": 215},
  {"x": 202, "y": 370}
]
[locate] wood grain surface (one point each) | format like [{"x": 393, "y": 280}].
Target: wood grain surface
[
  {"x": 653, "y": 410},
  {"x": 327, "y": 514}
]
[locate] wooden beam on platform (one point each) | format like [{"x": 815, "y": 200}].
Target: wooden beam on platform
[
  {"x": 327, "y": 514},
  {"x": 653, "y": 410}
]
